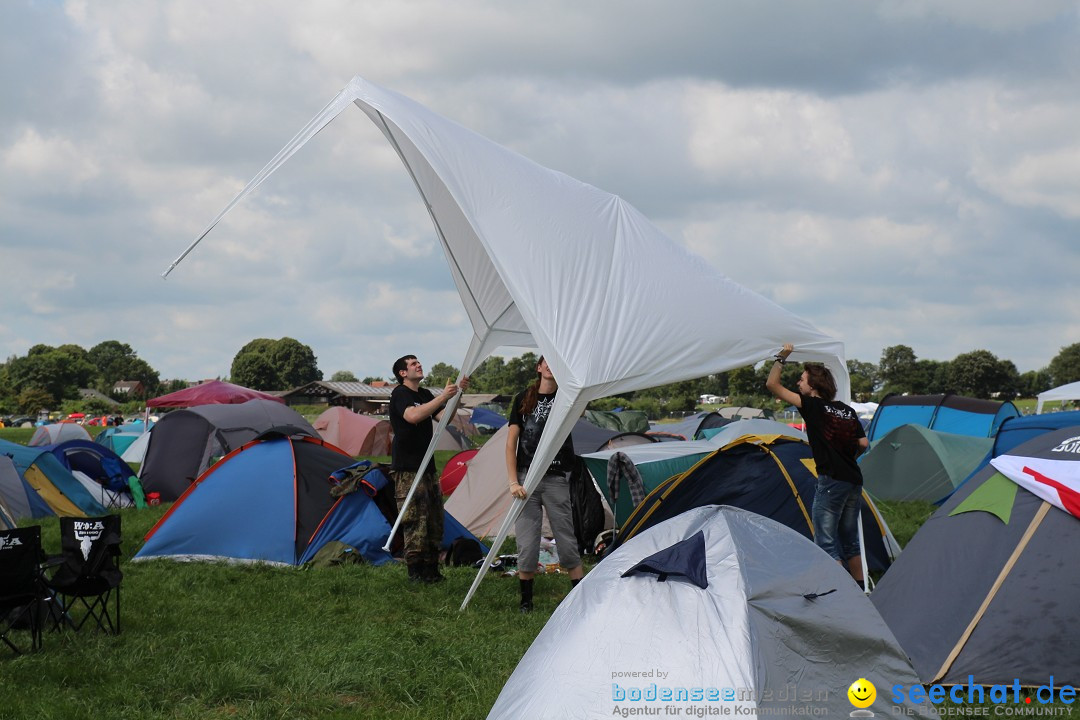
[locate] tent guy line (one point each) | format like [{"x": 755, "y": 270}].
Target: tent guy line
[{"x": 543, "y": 260}]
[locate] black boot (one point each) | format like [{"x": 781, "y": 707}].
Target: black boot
[
  {"x": 526, "y": 595},
  {"x": 432, "y": 574},
  {"x": 416, "y": 572}
]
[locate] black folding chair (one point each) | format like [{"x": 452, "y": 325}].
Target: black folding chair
[
  {"x": 22, "y": 590},
  {"x": 89, "y": 576}
]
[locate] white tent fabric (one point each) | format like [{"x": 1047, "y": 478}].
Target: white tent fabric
[
  {"x": 103, "y": 495},
  {"x": 775, "y": 612},
  {"x": 1064, "y": 392},
  {"x": 543, "y": 260},
  {"x": 136, "y": 451}
]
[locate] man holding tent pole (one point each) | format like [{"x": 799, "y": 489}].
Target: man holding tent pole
[
  {"x": 836, "y": 439},
  {"x": 411, "y": 410}
]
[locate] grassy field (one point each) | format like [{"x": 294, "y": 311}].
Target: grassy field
[{"x": 204, "y": 640}]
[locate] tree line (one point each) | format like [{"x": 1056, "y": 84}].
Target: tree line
[{"x": 51, "y": 377}]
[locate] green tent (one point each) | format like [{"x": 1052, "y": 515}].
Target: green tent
[{"x": 913, "y": 462}]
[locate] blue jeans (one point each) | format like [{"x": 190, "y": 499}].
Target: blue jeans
[{"x": 836, "y": 517}]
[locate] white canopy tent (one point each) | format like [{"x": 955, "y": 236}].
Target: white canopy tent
[
  {"x": 1065, "y": 392},
  {"x": 543, "y": 260}
]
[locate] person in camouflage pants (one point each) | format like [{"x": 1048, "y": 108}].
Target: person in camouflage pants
[
  {"x": 422, "y": 523},
  {"x": 411, "y": 411}
]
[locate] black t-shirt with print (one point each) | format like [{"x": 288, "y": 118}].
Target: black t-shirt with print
[
  {"x": 833, "y": 430},
  {"x": 532, "y": 426},
  {"x": 410, "y": 441}
]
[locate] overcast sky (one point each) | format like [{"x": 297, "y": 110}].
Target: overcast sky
[{"x": 895, "y": 172}]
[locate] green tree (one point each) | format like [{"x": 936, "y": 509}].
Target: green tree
[
  {"x": 895, "y": 371},
  {"x": 864, "y": 378},
  {"x": 744, "y": 381},
  {"x": 1065, "y": 367},
  {"x": 1034, "y": 382},
  {"x": 254, "y": 370},
  {"x": 488, "y": 376},
  {"x": 60, "y": 372},
  {"x": 343, "y": 376},
  {"x": 369, "y": 379},
  {"x": 116, "y": 361},
  {"x": 33, "y": 400},
  {"x": 440, "y": 374},
  {"x": 980, "y": 374},
  {"x": 281, "y": 364},
  {"x": 519, "y": 372}
]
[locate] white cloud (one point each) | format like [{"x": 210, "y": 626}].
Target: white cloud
[{"x": 894, "y": 172}]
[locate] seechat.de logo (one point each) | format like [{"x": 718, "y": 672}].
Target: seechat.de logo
[{"x": 862, "y": 694}]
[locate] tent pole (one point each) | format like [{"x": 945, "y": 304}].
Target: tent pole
[
  {"x": 545, "y": 453},
  {"x": 862, "y": 559},
  {"x": 447, "y": 412}
]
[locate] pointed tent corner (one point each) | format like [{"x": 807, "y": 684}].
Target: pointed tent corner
[
  {"x": 995, "y": 496},
  {"x": 685, "y": 558}
]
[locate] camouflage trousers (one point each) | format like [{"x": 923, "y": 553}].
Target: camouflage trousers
[{"x": 422, "y": 523}]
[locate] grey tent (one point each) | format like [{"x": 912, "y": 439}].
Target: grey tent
[
  {"x": 914, "y": 462},
  {"x": 748, "y": 612},
  {"x": 988, "y": 586},
  {"x": 183, "y": 443}
]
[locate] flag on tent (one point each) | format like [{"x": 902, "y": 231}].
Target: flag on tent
[{"x": 1055, "y": 481}]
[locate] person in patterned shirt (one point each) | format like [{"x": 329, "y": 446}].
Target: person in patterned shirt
[
  {"x": 836, "y": 440},
  {"x": 528, "y": 417}
]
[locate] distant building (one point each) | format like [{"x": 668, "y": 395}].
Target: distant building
[
  {"x": 91, "y": 394},
  {"x": 356, "y": 396},
  {"x": 373, "y": 399},
  {"x": 131, "y": 388}
]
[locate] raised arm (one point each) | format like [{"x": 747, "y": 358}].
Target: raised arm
[{"x": 774, "y": 385}]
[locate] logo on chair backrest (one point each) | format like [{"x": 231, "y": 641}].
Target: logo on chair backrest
[
  {"x": 9, "y": 542},
  {"x": 86, "y": 533}
]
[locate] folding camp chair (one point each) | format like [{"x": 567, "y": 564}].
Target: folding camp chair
[
  {"x": 89, "y": 576},
  {"x": 22, "y": 590}
]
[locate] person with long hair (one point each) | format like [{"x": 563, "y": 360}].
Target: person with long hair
[
  {"x": 836, "y": 439},
  {"x": 528, "y": 417}
]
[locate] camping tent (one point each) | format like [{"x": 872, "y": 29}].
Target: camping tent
[
  {"x": 94, "y": 461},
  {"x": 771, "y": 476},
  {"x": 987, "y": 587},
  {"x": 916, "y": 463},
  {"x": 136, "y": 451},
  {"x": 481, "y": 500},
  {"x": 725, "y": 602},
  {"x": 119, "y": 438},
  {"x": 53, "y": 483},
  {"x": 356, "y": 434},
  {"x": 211, "y": 392},
  {"x": 622, "y": 421},
  {"x": 57, "y": 433},
  {"x": 1063, "y": 392},
  {"x": 183, "y": 443},
  {"x": 484, "y": 418},
  {"x": 269, "y": 501},
  {"x": 946, "y": 413},
  {"x": 19, "y": 499},
  {"x": 658, "y": 462},
  {"x": 539, "y": 259}
]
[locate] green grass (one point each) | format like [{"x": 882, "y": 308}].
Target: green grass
[
  {"x": 217, "y": 641},
  {"x": 205, "y": 640}
]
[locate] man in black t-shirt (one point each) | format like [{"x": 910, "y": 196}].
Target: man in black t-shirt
[
  {"x": 411, "y": 410},
  {"x": 836, "y": 439}
]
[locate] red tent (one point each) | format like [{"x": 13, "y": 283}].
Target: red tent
[{"x": 212, "y": 392}]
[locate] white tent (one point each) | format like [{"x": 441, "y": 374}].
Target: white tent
[
  {"x": 543, "y": 260},
  {"x": 741, "y": 608},
  {"x": 1065, "y": 392}
]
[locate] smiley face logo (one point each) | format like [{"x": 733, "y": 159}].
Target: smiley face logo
[{"x": 862, "y": 693}]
